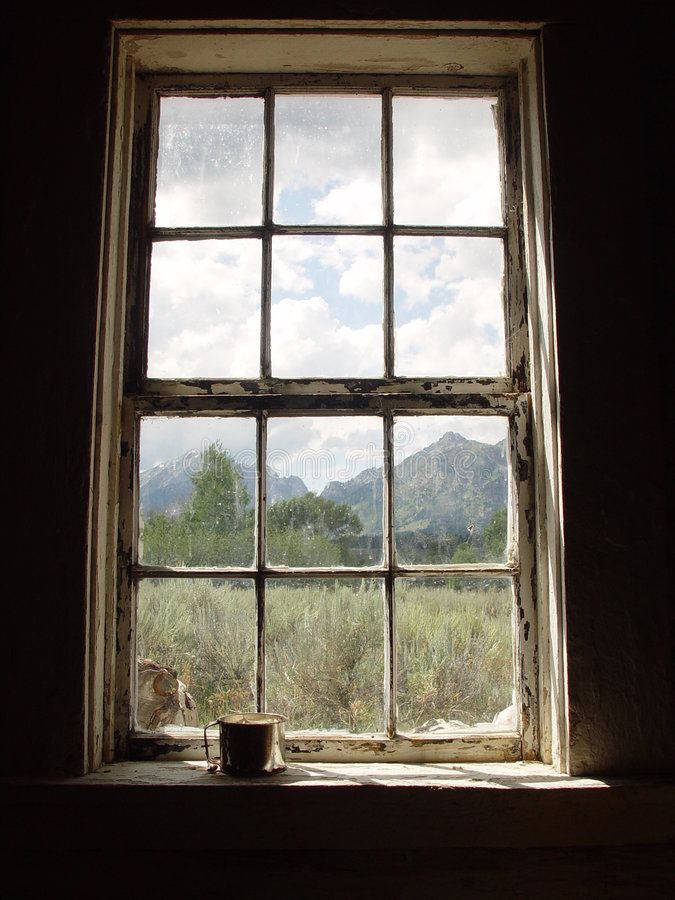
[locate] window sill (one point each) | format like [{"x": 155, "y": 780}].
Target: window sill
[
  {"x": 321, "y": 805},
  {"x": 482, "y": 746}
]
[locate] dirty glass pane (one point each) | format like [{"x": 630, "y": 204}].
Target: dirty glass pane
[
  {"x": 196, "y": 651},
  {"x": 446, "y": 161},
  {"x": 450, "y": 489},
  {"x": 325, "y": 666},
  {"x": 327, "y": 162},
  {"x": 448, "y": 306},
  {"x": 327, "y": 306},
  {"x": 197, "y": 491},
  {"x": 328, "y": 509},
  {"x": 204, "y": 317},
  {"x": 454, "y": 655},
  {"x": 209, "y": 167}
]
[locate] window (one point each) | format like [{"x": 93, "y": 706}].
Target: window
[{"x": 327, "y": 468}]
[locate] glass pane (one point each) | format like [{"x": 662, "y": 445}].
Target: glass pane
[
  {"x": 446, "y": 161},
  {"x": 327, "y": 163},
  {"x": 325, "y": 642},
  {"x": 450, "y": 489},
  {"x": 205, "y": 309},
  {"x": 197, "y": 491},
  {"x": 209, "y": 167},
  {"x": 327, "y": 307},
  {"x": 334, "y": 517},
  {"x": 448, "y": 306},
  {"x": 196, "y": 650},
  {"x": 455, "y": 658}
]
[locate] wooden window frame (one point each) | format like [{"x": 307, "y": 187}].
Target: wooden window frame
[{"x": 126, "y": 257}]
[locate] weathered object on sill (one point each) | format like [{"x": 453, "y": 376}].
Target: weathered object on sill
[
  {"x": 162, "y": 698},
  {"x": 250, "y": 744}
]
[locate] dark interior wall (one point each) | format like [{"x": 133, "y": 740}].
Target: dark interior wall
[
  {"x": 606, "y": 96},
  {"x": 606, "y": 93}
]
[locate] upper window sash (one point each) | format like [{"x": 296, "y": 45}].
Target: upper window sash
[{"x": 149, "y": 92}]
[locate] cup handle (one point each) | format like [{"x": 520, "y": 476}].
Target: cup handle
[{"x": 206, "y": 743}]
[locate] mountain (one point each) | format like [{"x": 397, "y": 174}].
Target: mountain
[
  {"x": 166, "y": 487},
  {"x": 445, "y": 488}
]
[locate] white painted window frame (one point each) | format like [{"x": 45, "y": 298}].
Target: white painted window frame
[{"x": 140, "y": 60}]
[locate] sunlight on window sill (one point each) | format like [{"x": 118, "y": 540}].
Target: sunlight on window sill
[{"x": 316, "y": 774}]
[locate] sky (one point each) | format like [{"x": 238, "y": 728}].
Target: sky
[{"x": 326, "y": 292}]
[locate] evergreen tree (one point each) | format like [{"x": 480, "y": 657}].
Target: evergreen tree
[
  {"x": 220, "y": 500},
  {"x": 216, "y": 525},
  {"x": 315, "y": 515}
]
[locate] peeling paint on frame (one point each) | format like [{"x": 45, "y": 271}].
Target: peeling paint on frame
[{"x": 268, "y": 397}]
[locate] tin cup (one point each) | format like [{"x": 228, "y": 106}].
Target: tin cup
[{"x": 250, "y": 743}]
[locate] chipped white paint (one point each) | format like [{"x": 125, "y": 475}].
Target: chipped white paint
[
  {"x": 545, "y": 431},
  {"x": 105, "y": 457},
  {"x": 467, "y": 746}
]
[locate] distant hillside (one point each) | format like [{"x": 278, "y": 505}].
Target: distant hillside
[
  {"x": 449, "y": 485},
  {"x": 166, "y": 487}
]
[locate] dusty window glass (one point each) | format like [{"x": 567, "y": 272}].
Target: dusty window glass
[
  {"x": 449, "y": 308},
  {"x": 204, "y": 309},
  {"x": 209, "y": 167},
  {"x": 196, "y": 650},
  {"x": 327, "y": 167},
  {"x": 451, "y": 488},
  {"x": 446, "y": 161},
  {"x": 327, "y": 306},
  {"x": 197, "y": 507},
  {"x": 325, "y": 664},
  {"x": 455, "y": 655},
  {"x": 335, "y": 515}
]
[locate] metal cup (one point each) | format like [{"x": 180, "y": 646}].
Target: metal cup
[{"x": 250, "y": 743}]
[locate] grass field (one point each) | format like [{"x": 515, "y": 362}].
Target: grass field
[{"x": 325, "y": 657}]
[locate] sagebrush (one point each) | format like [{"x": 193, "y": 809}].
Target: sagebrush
[{"x": 324, "y": 641}]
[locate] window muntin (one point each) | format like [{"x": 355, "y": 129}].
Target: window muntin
[{"x": 352, "y": 395}]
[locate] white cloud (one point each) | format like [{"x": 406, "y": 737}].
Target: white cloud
[
  {"x": 309, "y": 341},
  {"x": 449, "y": 306},
  {"x": 320, "y": 449},
  {"x": 339, "y": 269},
  {"x": 446, "y": 162},
  {"x": 450, "y": 342},
  {"x": 363, "y": 279},
  {"x": 354, "y": 202},
  {"x": 205, "y": 309}
]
